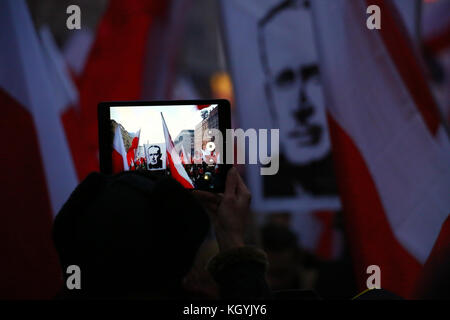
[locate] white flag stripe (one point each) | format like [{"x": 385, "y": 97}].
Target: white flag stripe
[
  {"x": 274, "y": 65},
  {"x": 65, "y": 93},
  {"x": 25, "y": 77},
  {"x": 170, "y": 148}
]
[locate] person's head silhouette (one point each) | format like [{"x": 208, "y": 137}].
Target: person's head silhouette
[{"x": 128, "y": 235}]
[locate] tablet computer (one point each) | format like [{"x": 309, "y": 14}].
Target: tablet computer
[{"x": 183, "y": 139}]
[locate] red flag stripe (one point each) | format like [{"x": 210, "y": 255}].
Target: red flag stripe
[
  {"x": 324, "y": 248},
  {"x": 30, "y": 267},
  {"x": 434, "y": 268},
  {"x": 84, "y": 161},
  {"x": 131, "y": 153},
  {"x": 371, "y": 239}
]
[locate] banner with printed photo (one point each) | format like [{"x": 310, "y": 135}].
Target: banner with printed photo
[
  {"x": 155, "y": 155},
  {"x": 274, "y": 65}
]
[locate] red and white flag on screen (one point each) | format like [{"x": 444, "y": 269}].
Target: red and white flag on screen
[
  {"x": 116, "y": 64},
  {"x": 131, "y": 153},
  {"x": 173, "y": 160},
  {"x": 393, "y": 175},
  {"x": 119, "y": 155},
  {"x": 185, "y": 157},
  {"x": 38, "y": 173}
]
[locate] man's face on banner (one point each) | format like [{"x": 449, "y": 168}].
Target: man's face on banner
[
  {"x": 154, "y": 154},
  {"x": 293, "y": 87}
]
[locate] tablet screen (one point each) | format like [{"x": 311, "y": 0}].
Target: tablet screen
[{"x": 182, "y": 141}]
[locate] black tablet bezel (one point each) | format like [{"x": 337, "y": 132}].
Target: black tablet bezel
[{"x": 104, "y": 131}]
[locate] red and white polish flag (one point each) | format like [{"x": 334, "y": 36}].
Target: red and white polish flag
[
  {"x": 119, "y": 155},
  {"x": 435, "y": 25},
  {"x": 173, "y": 160},
  {"x": 131, "y": 153},
  {"x": 393, "y": 175},
  {"x": 123, "y": 47},
  {"x": 38, "y": 173},
  {"x": 65, "y": 95},
  {"x": 119, "y": 52}
]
